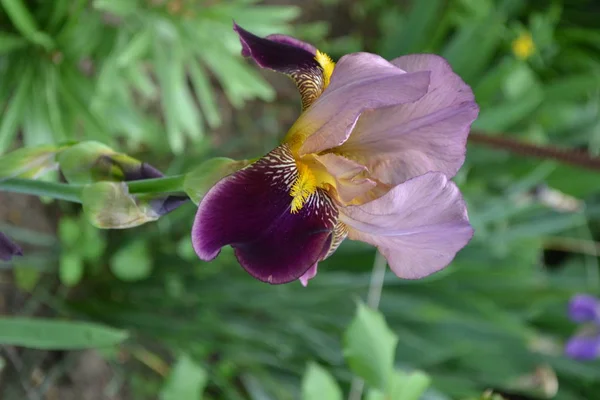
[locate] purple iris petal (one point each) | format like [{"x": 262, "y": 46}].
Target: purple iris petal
[
  {"x": 277, "y": 52},
  {"x": 251, "y": 211},
  {"x": 289, "y": 56},
  {"x": 429, "y": 134},
  {"x": 360, "y": 82},
  {"x": 8, "y": 248},
  {"x": 583, "y": 347},
  {"x": 584, "y": 308},
  {"x": 418, "y": 226}
]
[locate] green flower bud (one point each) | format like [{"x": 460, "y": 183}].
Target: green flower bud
[{"x": 90, "y": 161}]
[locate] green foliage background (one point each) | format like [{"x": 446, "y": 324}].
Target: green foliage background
[{"x": 163, "y": 81}]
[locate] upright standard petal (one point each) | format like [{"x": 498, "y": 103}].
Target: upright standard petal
[
  {"x": 251, "y": 211},
  {"x": 8, "y": 248},
  {"x": 584, "y": 308},
  {"x": 360, "y": 81},
  {"x": 418, "y": 226},
  {"x": 309, "y": 68},
  {"x": 430, "y": 134}
]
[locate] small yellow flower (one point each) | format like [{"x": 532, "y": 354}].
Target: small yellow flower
[{"x": 523, "y": 46}]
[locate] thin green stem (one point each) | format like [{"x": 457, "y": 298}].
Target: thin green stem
[
  {"x": 357, "y": 385},
  {"x": 68, "y": 192},
  {"x": 168, "y": 184},
  {"x": 59, "y": 191}
]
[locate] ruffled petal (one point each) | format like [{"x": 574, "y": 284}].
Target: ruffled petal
[
  {"x": 430, "y": 134},
  {"x": 360, "y": 81},
  {"x": 583, "y": 347},
  {"x": 418, "y": 226},
  {"x": 350, "y": 176},
  {"x": 289, "y": 56},
  {"x": 584, "y": 308},
  {"x": 251, "y": 211},
  {"x": 8, "y": 248}
]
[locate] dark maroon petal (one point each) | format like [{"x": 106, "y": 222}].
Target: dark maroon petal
[
  {"x": 251, "y": 211},
  {"x": 289, "y": 56},
  {"x": 293, "y": 42},
  {"x": 8, "y": 248}
]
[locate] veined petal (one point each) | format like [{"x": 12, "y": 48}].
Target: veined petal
[
  {"x": 418, "y": 226},
  {"x": 8, "y": 248},
  {"x": 430, "y": 134},
  {"x": 251, "y": 211},
  {"x": 308, "y": 68},
  {"x": 349, "y": 176},
  {"x": 360, "y": 81}
]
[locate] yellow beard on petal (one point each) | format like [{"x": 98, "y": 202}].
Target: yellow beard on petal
[
  {"x": 303, "y": 188},
  {"x": 311, "y": 176},
  {"x": 327, "y": 64}
]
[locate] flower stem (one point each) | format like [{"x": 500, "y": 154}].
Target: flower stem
[
  {"x": 374, "y": 295},
  {"x": 68, "y": 192},
  {"x": 577, "y": 158},
  {"x": 168, "y": 184}
]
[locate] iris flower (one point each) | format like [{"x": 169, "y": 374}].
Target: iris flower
[
  {"x": 586, "y": 345},
  {"x": 8, "y": 248},
  {"x": 370, "y": 158}
]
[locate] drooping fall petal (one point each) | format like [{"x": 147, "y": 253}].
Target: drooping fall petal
[
  {"x": 430, "y": 134},
  {"x": 8, "y": 248},
  {"x": 360, "y": 81},
  {"x": 418, "y": 226},
  {"x": 251, "y": 211},
  {"x": 289, "y": 56}
]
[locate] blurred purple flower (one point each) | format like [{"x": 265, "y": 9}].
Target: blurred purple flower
[
  {"x": 369, "y": 158},
  {"x": 586, "y": 345},
  {"x": 8, "y": 248}
]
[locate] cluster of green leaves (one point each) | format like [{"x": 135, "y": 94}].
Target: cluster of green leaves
[{"x": 113, "y": 69}]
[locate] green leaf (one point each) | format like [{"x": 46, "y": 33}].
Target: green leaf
[
  {"x": 408, "y": 386},
  {"x": 71, "y": 268},
  {"x": 9, "y": 43},
  {"x": 205, "y": 95},
  {"x": 186, "y": 381},
  {"x": 28, "y": 162},
  {"x": 420, "y": 22},
  {"x": 25, "y": 23},
  {"x": 47, "y": 334},
  {"x": 132, "y": 262},
  {"x": 15, "y": 109},
  {"x": 318, "y": 384},
  {"x": 369, "y": 347},
  {"x": 26, "y": 277}
]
